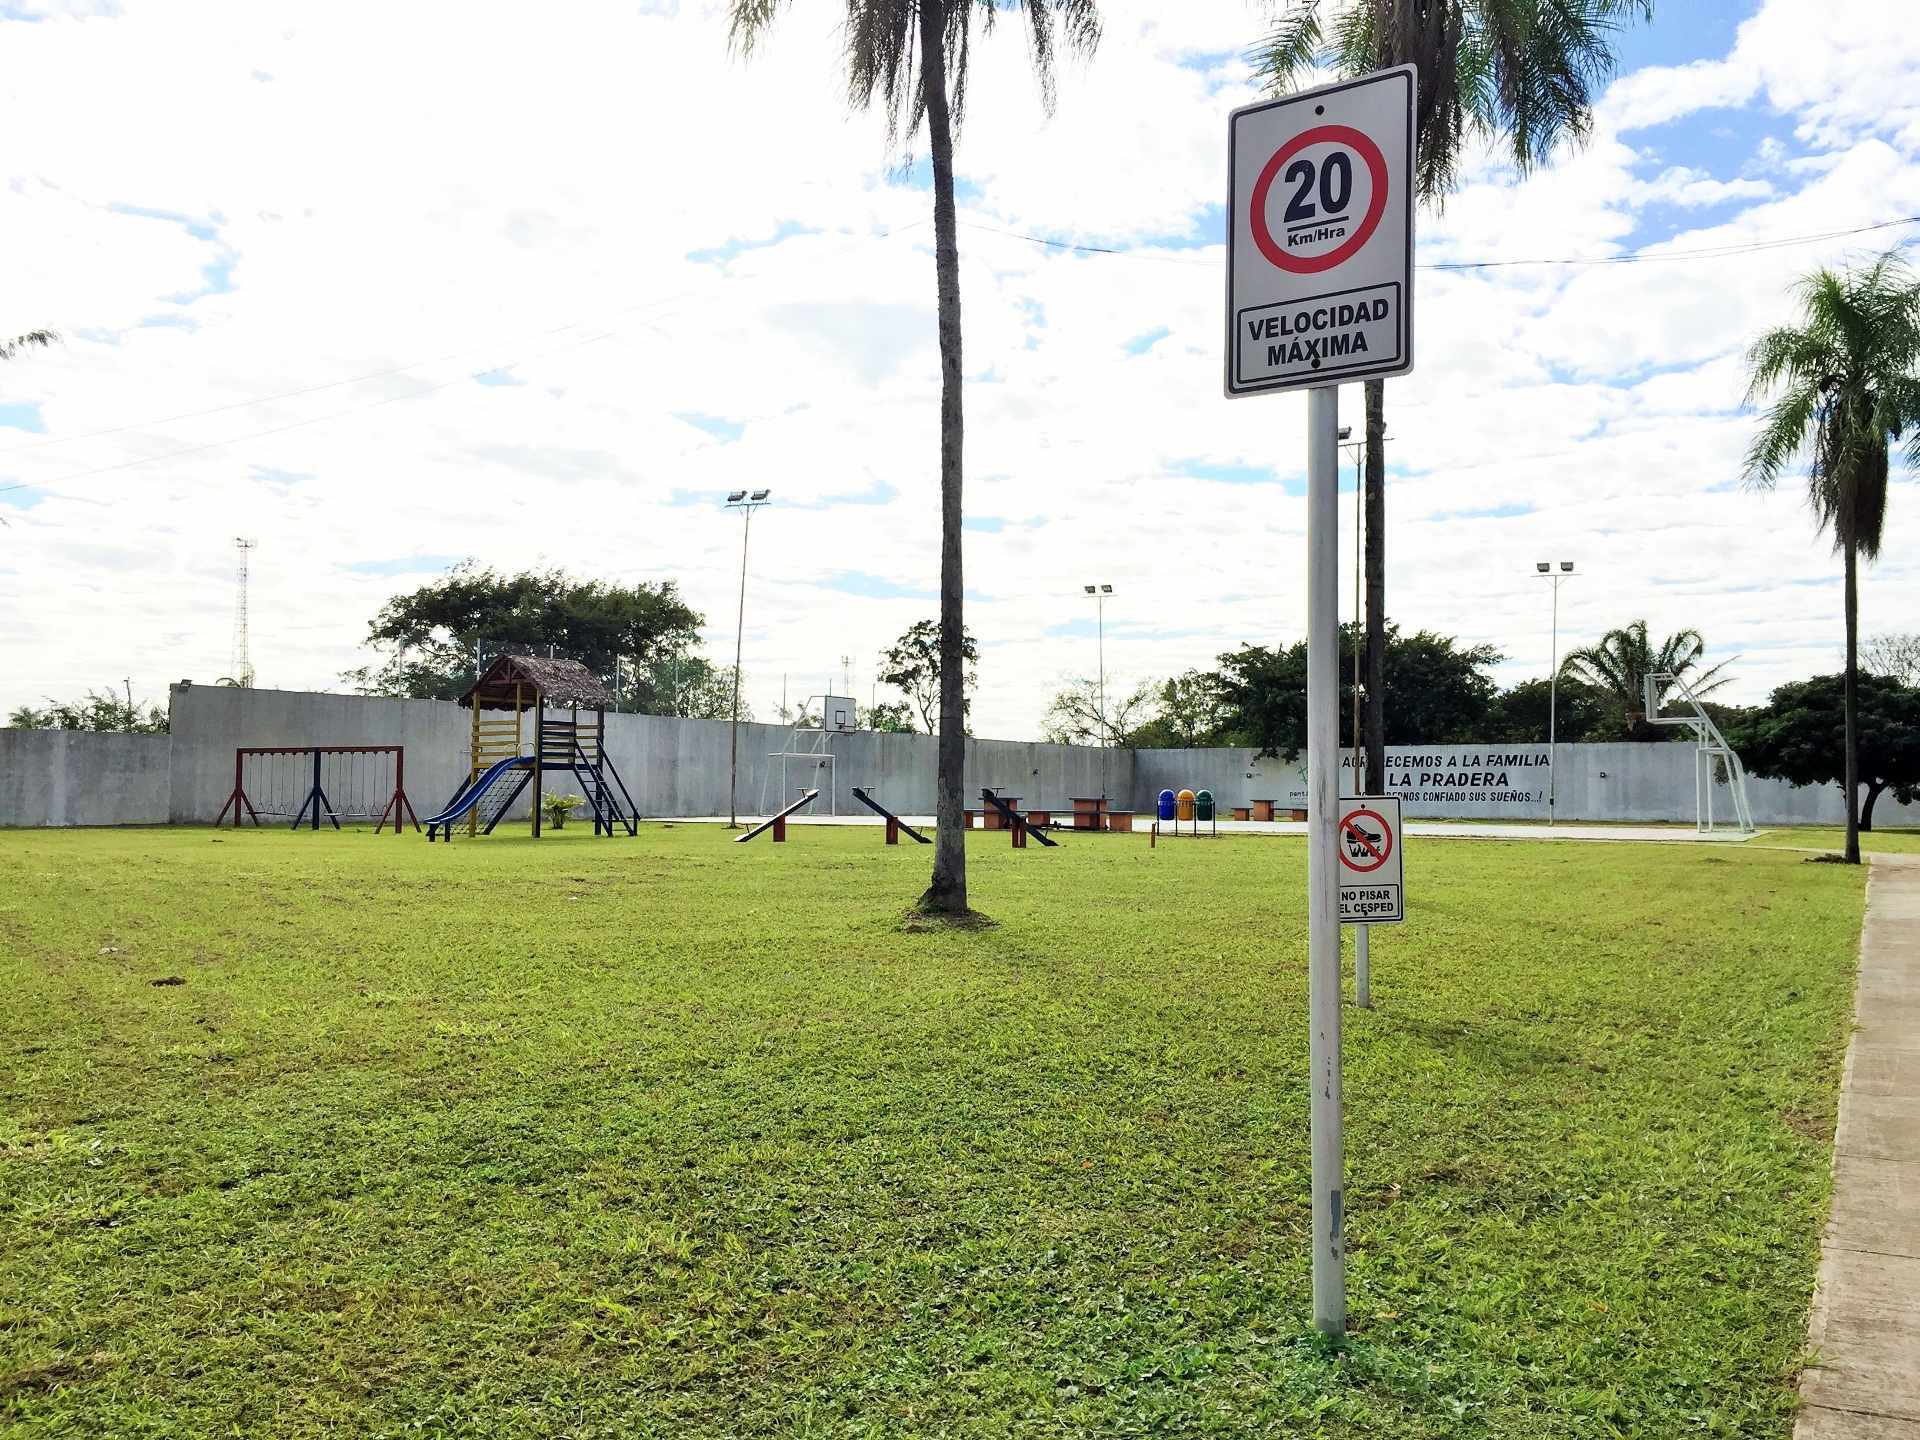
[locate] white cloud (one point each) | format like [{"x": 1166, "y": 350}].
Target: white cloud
[{"x": 360, "y": 190}]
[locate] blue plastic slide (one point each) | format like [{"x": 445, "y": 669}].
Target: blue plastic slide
[{"x": 476, "y": 792}]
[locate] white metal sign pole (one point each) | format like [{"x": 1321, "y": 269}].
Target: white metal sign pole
[
  {"x": 1323, "y": 864},
  {"x": 1320, "y": 290}
]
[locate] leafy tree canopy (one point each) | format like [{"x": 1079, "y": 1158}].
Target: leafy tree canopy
[
  {"x": 1438, "y": 691},
  {"x": 690, "y": 686},
  {"x": 1618, "y": 665},
  {"x": 1799, "y": 736},
  {"x": 1582, "y": 714},
  {"x": 433, "y": 636},
  {"x": 1895, "y": 654},
  {"x": 891, "y": 718},
  {"x": 97, "y": 710},
  {"x": 1078, "y": 714},
  {"x": 912, "y": 665}
]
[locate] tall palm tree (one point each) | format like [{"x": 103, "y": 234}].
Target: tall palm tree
[
  {"x": 912, "y": 56},
  {"x": 1848, "y": 376},
  {"x": 42, "y": 338},
  {"x": 1521, "y": 73},
  {"x": 1619, "y": 664}
]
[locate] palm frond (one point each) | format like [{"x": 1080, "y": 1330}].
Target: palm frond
[
  {"x": 41, "y": 338},
  {"x": 1291, "y": 49},
  {"x": 748, "y": 21},
  {"x": 1782, "y": 437}
]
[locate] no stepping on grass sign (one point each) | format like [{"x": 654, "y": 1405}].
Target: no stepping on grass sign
[{"x": 1370, "y": 879}]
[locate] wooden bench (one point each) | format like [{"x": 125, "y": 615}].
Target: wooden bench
[
  {"x": 1243, "y": 812},
  {"x": 1262, "y": 809},
  {"x": 1120, "y": 821}
]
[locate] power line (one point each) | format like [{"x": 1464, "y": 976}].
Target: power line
[
  {"x": 1636, "y": 257},
  {"x": 1713, "y": 252}
]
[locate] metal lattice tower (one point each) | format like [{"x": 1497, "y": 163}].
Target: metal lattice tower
[{"x": 241, "y": 661}]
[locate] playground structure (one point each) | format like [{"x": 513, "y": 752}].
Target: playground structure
[
  {"x": 1709, "y": 745},
  {"x": 777, "y": 823},
  {"x": 506, "y": 757},
  {"x": 895, "y": 825},
  {"x": 810, "y": 747},
  {"x": 1013, "y": 820},
  {"x": 330, "y": 781}
]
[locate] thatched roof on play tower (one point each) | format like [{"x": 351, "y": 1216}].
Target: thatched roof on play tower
[{"x": 565, "y": 684}]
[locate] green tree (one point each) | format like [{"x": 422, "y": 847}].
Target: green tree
[
  {"x": 915, "y": 665},
  {"x": 688, "y": 686},
  {"x": 1800, "y": 736},
  {"x": 100, "y": 711},
  {"x": 1895, "y": 654},
  {"x": 435, "y": 636},
  {"x": 1519, "y": 74},
  {"x": 1848, "y": 382},
  {"x": 911, "y": 56},
  {"x": 41, "y": 338},
  {"x": 1438, "y": 691},
  {"x": 1618, "y": 664},
  {"x": 1582, "y": 714},
  {"x": 1190, "y": 710},
  {"x": 891, "y": 718},
  {"x": 1076, "y": 715}
]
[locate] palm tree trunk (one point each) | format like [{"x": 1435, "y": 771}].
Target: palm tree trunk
[
  {"x": 948, "y": 892},
  {"x": 1374, "y": 721},
  {"x": 1852, "y": 770}
]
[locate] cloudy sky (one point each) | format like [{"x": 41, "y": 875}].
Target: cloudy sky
[{"x": 384, "y": 286}]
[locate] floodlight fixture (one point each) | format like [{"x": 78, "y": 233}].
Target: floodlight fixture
[
  {"x": 761, "y": 494},
  {"x": 1345, "y": 431},
  {"x": 1542, "y": 566},
  {"x": 734, "y": 497},
  {"x": 1106, "y": 589},
  {"x": 1567, "y": 566},
  {"x": 1088, "y": 589}
]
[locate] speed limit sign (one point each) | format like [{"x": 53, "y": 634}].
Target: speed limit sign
[{"x": 1320, "y": 236}]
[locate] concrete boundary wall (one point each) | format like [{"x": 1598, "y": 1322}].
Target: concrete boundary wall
[
  {"x": 673, "y": 767},
  {"x": 1623, "y": 782},
  {"x": 678, "y": 768},
  {"x": 70, "y": 777}
]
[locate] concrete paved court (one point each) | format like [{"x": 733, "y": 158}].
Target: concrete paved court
[{"x": 1865, "y": 1327}]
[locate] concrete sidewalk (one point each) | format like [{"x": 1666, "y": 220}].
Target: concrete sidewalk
[{"x": 1865, "y": 1327}]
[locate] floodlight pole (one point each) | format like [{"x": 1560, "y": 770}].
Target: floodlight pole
[
  {"x": 1323, "y": 865},
  {"x": 1100, "y": 594},
  {"x": 740, "y": 501},
  {"x": 1565, "y": 572}
]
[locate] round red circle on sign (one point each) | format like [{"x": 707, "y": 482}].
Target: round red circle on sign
[
  {"x": 1362, "y": 145},
  {"x": 1379, "y": 849}
]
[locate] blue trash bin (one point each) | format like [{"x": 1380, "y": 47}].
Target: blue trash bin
[{"x": 1166, "y": 804}]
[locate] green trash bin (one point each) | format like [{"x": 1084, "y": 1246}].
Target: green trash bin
[{"x": 1203, "y": 807}]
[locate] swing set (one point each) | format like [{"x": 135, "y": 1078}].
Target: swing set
[{"x": 307, "y": 782}]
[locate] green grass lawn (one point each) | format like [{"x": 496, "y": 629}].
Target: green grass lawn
[
  {"x": 329, "y": 1134},
  {"x": 1872, "y": 842}
]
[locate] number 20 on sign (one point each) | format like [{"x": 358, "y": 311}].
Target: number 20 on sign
[{"x": 1320, "y": 236}]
